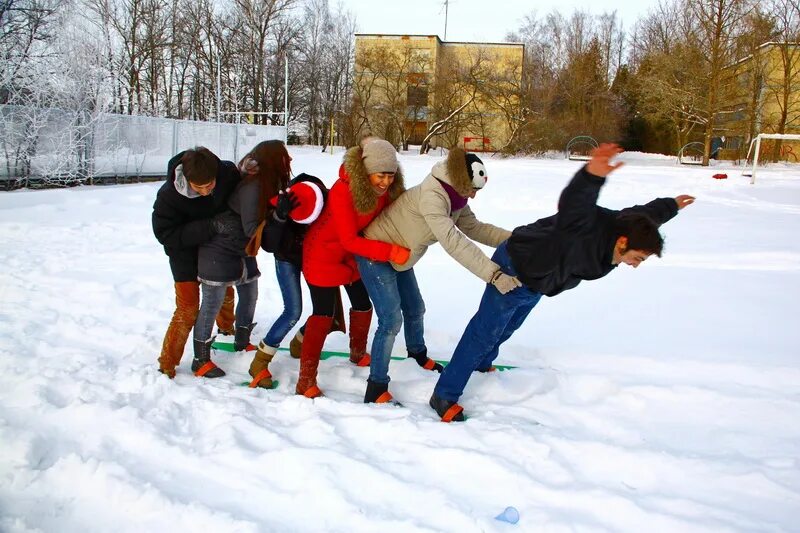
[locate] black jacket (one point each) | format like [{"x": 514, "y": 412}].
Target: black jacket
[
  {"x": 181, "y": 223},
  {"x": 284, "y": 238},
  {"x": 556, "y": 253}
]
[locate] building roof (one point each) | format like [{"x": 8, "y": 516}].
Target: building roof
[
  {"x": 765, "y": 45},
  {"x": 437, "y": 38}
]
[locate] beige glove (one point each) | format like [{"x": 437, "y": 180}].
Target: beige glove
[{"x": 505, "y": 283}]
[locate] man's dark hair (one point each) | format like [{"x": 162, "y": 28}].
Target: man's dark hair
[
  {"x": 200, "y": 165},
  {"x": 641, "y": 231}
]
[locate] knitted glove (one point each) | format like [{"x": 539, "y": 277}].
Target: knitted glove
[
  {"x": 287, "y": 201},
  {"x": 505, "y": 283},
  {"x": 399, "y": 255}
]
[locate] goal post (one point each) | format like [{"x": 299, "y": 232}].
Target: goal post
[
  {"x": 757, "y": 143},
  {"x": 578, "y": 148}
]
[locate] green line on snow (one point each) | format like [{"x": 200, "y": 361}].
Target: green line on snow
[{"x": 327, "y": 354}]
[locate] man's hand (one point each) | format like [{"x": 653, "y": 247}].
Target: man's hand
[
  {"x": 505, "y": 283},
  {"x": 600, "y": 163},
  {"x": 683, "y": 200},
  {"x": 248, "y": 167},
  {"x": 287, "y": 201}
]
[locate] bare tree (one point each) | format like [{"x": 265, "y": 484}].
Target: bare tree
[
  {"x": 713, "y": 29},
  {"x": 252, "y": 27}
]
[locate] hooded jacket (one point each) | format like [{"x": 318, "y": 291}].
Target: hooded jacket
[
  {"x": 556, "y": 253},
  {"x": 334, "y": 237},
  {"x": 424, "y": 215},
  {"x": 182, "y": 219}
]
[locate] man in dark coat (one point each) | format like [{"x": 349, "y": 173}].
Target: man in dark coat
[
  {"x": 197, "y": 189},
  {"x": 583, "y": 241}
]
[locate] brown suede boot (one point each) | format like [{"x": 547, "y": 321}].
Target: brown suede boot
[
  {"x": 317, "y": 329},
  {"x": 187, "y": 304},
  {"x": 359, "y": 329},
  {"x": 296, "y": 345},
  {"x": 226, "y": 317},
  {"x": 259, "y": 367}
]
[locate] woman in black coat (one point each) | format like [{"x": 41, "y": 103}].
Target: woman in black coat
[{"x": 224, "y": 261}]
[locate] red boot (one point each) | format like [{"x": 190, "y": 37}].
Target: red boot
[
  {"x": 359, "y": 329},
  {"x": 317, "y": 328}
]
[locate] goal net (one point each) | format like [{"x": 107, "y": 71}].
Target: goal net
[{"x": 788, "y": 151}]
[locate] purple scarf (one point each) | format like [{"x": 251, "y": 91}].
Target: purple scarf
[{"x": 456, "y": 200}]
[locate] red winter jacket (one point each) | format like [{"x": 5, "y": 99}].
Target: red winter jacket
[{"x": 334, "y": 238}]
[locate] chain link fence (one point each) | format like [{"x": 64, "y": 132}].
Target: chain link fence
[{"x": 49, "y": 147}]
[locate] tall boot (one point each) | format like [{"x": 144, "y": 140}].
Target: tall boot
[
  {"x": 241, "y": 339},
  {"x": 317, "y": 328},
  {"x": 202, "y": 365},
  {"x": 259, "y": 367},
  {"x": 359, "y": 329},
  {"x": 226, "y": 316},
  {"x": 187, "y": 304}
]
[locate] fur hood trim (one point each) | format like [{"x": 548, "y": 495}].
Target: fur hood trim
[
  {"x": 453, "y": 171},
  {"x": 355, "y": 173}
]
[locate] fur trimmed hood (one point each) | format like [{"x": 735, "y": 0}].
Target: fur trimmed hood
[
  {"x": 453, "y": 171},
  {"x": 354, "y": 172}
]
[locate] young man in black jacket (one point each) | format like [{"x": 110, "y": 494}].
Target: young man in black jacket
[
  {"x": 583, "y": 241},
  {"x": 197, "y": 189}
]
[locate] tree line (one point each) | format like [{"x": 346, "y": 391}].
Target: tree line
[{"x": 656, "y": 85}]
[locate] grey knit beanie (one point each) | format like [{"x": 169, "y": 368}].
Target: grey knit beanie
[{"x": 379, "y": 156}]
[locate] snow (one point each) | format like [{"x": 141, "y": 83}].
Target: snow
[{"x": 665, "y": 398}]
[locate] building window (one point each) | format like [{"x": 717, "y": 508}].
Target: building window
[{"x": 416, "y": 96}]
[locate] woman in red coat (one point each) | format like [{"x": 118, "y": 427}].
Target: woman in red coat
[{"x": 369, "y": 180}]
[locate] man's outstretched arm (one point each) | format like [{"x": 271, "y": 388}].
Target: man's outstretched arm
[{"x": 577, "y": 205}]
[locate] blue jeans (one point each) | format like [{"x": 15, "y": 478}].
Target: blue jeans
[
  {"x": 397, "y": 302},
  {"x": 498, "y": 317},
  {"x": 212, "y": 303},
  {"x": 289, "y": 282}
]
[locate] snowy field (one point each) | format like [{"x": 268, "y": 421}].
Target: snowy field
[{"x": 665, "y": 398}]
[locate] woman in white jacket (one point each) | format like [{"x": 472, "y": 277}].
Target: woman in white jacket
[{"x": 436, "y": 210}]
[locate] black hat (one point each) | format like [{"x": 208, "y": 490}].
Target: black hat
[{"x": 477, "y": 172}]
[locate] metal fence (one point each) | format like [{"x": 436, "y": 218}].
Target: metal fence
[{"x": 59, "y": 147}]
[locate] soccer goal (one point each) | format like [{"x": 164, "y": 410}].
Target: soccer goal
[
  {"x": 757, "y": 142},
  {"x": 691, "y": 153},
  {"x": 578, "y": 148}
]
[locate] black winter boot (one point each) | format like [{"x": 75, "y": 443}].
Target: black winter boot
[
  {"x": 447, "y": 410},
  {"x": 378, "y": 393},
  {"x": 241, "y": 339},
  {"x": 202, "y": 365},
  {"x": 425, "y": 362}
]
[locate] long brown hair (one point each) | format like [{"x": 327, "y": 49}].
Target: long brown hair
[{"x": 273, "y": 171}]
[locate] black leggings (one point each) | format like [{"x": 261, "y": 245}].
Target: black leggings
[{"x": 323, "y": 299}]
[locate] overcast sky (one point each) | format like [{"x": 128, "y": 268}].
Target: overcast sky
[{"x": 474, "y": 20}]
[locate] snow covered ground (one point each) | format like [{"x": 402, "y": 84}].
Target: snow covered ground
[{"x": 665, "y": 398}]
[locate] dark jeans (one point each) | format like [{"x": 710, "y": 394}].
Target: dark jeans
[
  {"x": 498, "y": 317},
  {"x": 212, "y": 302},
  {"x": 397, "y": 302}
]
